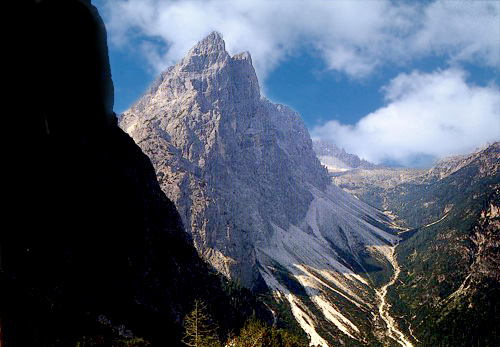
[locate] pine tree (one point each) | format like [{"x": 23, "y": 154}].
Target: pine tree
[
  {"x": 259, "y": 334},
  {"x": 199, "y": 331}
]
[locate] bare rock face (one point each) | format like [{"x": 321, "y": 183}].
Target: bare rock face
[
  {"x": 250, "y": 190},
  {"x": 216, "y": 144},
  {"x": 488, "y": 158}
]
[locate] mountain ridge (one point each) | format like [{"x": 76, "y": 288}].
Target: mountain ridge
[
  {"x": 199, "y": 141},
  {"x": 448, "y": 289}
]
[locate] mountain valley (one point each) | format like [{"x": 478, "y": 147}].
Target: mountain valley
[
  {"x": 205, "y": 215},
  {"x": 258, "y": 203},
  {"x": 263, "y": 211},
  {"x": 449, "y": 225}
]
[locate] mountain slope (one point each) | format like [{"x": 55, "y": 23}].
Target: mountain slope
[
  {"x": 449, "y": 284},
  {"x": 218, "y": 140},
  {"x": 451, "y": 255},
  {"x": 256, "y": 200}
]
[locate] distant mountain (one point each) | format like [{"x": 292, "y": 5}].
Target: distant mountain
[
  {"x": 259, "y": 205},
  {"x": 336, "y": 159},
  {"x": 449, "y": 290}
]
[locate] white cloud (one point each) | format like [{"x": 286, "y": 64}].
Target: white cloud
[
  {"x": 465, "y": 30},
  {"x": 354, "y": 37},
  {"x": 436, "y": 114}
]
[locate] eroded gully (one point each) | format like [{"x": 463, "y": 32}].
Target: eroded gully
[{"x": 392, "y": 331}]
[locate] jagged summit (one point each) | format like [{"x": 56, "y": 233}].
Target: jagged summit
[
  {"x": 207, "y": 75},
  {"x": 91, "y": 248},
  {"x": 211, "y": 52},
  {"x": 207, "y": 124},
  {"x": 250, "y": 190},
  {"x": 214, "y": 42}
]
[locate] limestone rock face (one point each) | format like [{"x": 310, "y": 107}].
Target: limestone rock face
[
  {"x": 216, "y": 146},
  {"x": 250, "y": 190}
]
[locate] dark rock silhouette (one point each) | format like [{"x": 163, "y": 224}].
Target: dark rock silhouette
[{"x": 87, "y": 235}]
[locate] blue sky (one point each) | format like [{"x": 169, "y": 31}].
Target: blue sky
[{"x": 389, "y": 81}]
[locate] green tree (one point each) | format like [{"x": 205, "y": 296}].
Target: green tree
[
  {"x": 259, "y": 334},
  {"x": 199, "y": 330}
]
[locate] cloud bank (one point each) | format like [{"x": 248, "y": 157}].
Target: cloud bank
[
  {"x": 352, "y": 37},
  {"x": 430, "y": 115},
  {"x": 433, "y": 115}
]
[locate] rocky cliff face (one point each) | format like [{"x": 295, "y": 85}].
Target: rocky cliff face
[
  {"x": 243, "y": 174},
  {"x": 90, "y": 245},
  {"x": 217, "y": 148}
]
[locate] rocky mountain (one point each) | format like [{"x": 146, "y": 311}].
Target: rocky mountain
[
  {"x": 450, "y": 165},
  {"x": 212, "y": 141},
  {"x": 338, "y": 160},
  {"x": 259, "y": 205},
  {"x": 449, "y": 287},
  {"x": 91, "y": 249}
]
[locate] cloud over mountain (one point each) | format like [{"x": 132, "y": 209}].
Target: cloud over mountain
[
  {"x": 352, "y": 37},
  {"x": 424, "y": 115},
  {"x": 435, "y": 114}
]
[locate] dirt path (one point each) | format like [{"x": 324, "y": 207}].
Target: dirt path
[{"x": 383, "y": 307}]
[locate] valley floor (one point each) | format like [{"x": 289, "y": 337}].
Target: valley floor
[{"x": 393, "y": 331}]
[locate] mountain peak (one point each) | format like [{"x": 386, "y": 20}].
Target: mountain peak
[{"x": 210, "y": 44}]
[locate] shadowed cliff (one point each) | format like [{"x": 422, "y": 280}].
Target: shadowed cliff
[{"x": 88, "y": 240}]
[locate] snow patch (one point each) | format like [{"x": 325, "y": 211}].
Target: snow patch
[
  {"x": 306, "y": 322},
  {"x": 301, "y": 314}
]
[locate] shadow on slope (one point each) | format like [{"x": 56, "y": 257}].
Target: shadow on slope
[{"x": 87, "y": 235}]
